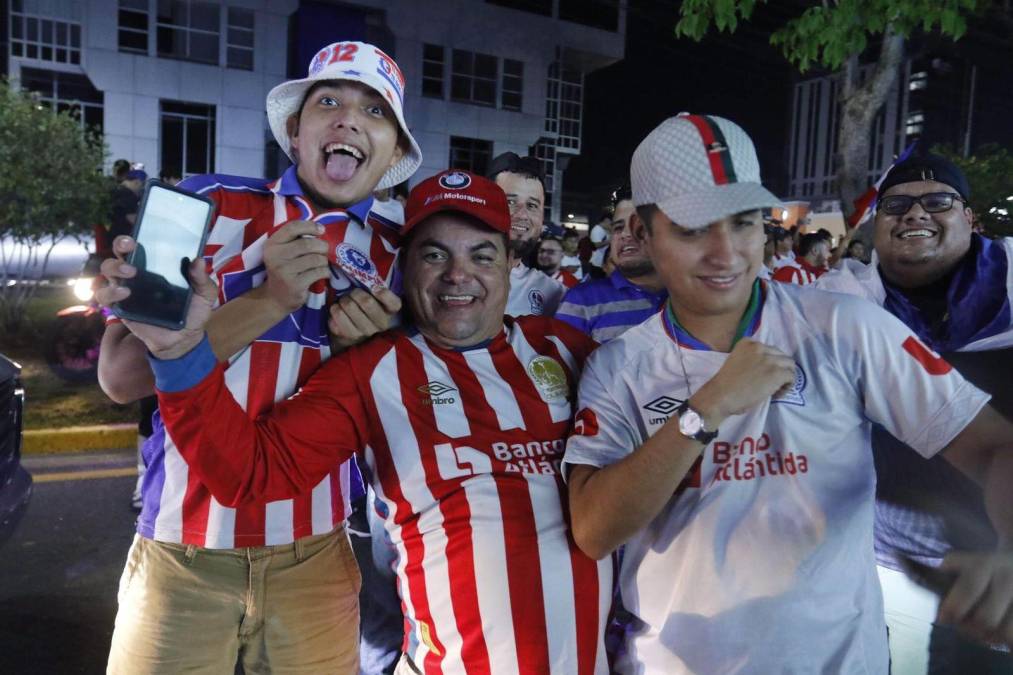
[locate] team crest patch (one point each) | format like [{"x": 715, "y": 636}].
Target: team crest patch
[
  {"x": 793, "y": 394},
  {"x": 549, "y": 378},
  {"x": 357, "y": 266},
  {"x": 537, "y": 300},
  {"x": 455, "y": 180}
]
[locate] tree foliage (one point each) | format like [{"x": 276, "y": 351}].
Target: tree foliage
[
  {"x": 989, "y": 172},
  {"x": 829, "y": 33},
  {"x": 833, "y": 34},
  {"x": 51, "y": 187}
]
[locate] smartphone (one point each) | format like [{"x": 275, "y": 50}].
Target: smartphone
[
  {"x": 929, "y": 578},
  {"x": 171, "y": 230}
]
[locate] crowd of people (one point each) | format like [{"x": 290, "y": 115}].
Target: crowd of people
[{"x": 486, "y": 448}]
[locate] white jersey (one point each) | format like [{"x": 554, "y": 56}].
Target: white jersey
[
  {"x": 763, "y": 559},
  {"x": 782, "y": 260},
  {"x": 532, "y": 292},
  {"x": 573, "y": 261}
]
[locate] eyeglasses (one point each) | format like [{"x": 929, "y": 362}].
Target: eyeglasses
[{"x": 932, "y": 202}]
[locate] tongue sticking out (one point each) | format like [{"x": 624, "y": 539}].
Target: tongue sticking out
[{"x": 340, "y": 167}]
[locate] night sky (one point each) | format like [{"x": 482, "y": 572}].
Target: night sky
[{"x": 743, "y": 78}]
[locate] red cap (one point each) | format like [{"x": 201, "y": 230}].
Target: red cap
[{"x": 461, "y": 191}]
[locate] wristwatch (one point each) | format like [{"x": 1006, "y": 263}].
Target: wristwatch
[{"x": 691, "y": 424}]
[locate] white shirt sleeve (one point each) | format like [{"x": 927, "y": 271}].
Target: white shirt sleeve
[
  {"x": 602, "y": 433},
  {"x": 904, "y": 386},
  {"x": 598, "y": 234}
]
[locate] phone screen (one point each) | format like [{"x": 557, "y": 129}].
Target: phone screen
[{"x": 169, "y": 234}]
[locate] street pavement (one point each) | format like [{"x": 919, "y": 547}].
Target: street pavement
[{"x": 60, "y": 570}]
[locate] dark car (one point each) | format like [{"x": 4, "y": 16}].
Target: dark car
[{"x": 15, "y": 482}]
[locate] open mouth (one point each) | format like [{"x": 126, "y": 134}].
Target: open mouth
[
  {"x": 459, "y": 300},
  {"x": 629, "y": 250},
  {"x": 341, "y": 161},
  {"x": 916, "y": 233}
]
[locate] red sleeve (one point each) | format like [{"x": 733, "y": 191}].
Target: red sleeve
[
  {"x": 282, "y": 453},
  {"x": 785, "y": 274}
]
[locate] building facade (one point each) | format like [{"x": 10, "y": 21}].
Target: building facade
[
  {"x": 180, "y": 84},
  {"x": 932, "y": 102}
]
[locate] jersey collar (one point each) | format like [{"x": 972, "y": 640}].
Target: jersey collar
[
  {"x": 288, "y": 186},
  {"x": 618, "y": 281},
  {"x": 748, "y": 324}
]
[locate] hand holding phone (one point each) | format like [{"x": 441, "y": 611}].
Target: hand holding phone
[{"x": 171, "y": 230}]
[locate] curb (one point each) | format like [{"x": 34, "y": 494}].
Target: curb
[{"x": 75, "y": 439}]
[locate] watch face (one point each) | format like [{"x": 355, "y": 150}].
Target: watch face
[{"x": 690, "y": 423}]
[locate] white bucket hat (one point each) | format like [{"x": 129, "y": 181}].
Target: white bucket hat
[
  {"x": 357, "y": 62},
  {"x": 698, "y": 169}
]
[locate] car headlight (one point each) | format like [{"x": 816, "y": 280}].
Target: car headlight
[{"x": 83, "y": 288}]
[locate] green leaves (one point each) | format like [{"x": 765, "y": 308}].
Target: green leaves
[
  {"x": 828, "y": 34},
  {"x": 696, "y": 16},
  {"x": 989, "y": 172},
  {"x": 51, "y": 182}
]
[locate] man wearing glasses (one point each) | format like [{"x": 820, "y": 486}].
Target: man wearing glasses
[{"x": 952, "y": 288}]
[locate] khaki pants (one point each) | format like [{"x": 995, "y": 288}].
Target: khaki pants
[{"x": 287, "y": 609}]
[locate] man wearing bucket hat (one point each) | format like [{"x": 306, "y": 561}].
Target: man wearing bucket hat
[
  {"x": 272, "y": 586},
  {"x": 726, "y": 441},
  {"x": 460, "y": 417},
  {"x": 953, "y": 288}
]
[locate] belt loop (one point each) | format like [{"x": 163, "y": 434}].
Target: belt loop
[
  {"x": 190, "y": 554},
  {"x": 299, "y": 549}
]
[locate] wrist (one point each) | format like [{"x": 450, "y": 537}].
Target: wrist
[
  {"x": 281, "y": 304},
  {"x": 708, "y": 409},
  {"x": 188, "y": 341}
]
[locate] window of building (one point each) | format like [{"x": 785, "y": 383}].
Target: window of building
[
  {"x": 66, "y": 92},
  {"x": 432, "y": 70},
  {"x": 188, "y": 30},
  {"x": 473, "y": 78},
  {"x": 512, "y": 90},
  {"x": 543, "y": 7},
  {"x": 919, "y": 80},
  {"x": 133, "y": 26},
  {"x": 33, "y": 36},
  {"x": 470, "y": 154},
  {"x": 604, "y": 15},
  {"x": 239, "y": 39},
  {"x": 563, "y": 105},
  {"x": 188, "y": 137},
  {"x": 545, "y": 151}
]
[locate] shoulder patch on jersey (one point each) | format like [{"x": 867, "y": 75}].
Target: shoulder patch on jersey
[
  {"x": 585, "y": 423},
  {"x": 933, "y": 363},
  {"x": 793, "y": 395},
  {"x": 549, "y": 378}
]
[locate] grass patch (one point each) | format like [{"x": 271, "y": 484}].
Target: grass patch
[{"x": 50, "y": 402}]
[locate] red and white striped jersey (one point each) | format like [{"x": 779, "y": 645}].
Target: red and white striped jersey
[
  {"x": 177, "y": 506},
  {"x": 464, "y": 449},
  {"x": 798, "y": 272}
]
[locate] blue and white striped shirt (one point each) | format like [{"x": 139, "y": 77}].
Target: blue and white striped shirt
[{"x": 606, "y": 308}]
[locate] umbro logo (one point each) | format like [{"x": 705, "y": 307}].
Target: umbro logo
[
  {"x": 437, "y": 393},
  {"x": 663, "y": 406}
]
